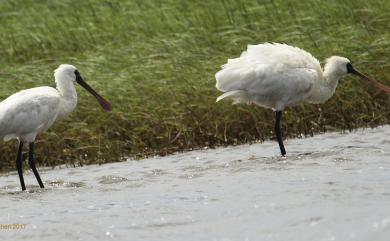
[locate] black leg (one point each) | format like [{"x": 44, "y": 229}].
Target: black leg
[
  {"x": 19, "y": 165},
  {"x": 278, "y": 132},
  {"x": 32, "y": 164}
]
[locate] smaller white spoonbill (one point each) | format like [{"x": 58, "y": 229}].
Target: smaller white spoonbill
[
  {"x": 29, "y": 112},
  {"x": 276, "y": 76}
]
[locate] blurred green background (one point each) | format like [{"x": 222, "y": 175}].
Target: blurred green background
[{"x": 156, "y": 60}]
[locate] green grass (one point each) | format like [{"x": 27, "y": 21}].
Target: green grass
[{"x": 156, "y": 60}]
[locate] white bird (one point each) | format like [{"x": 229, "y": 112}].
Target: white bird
[
  {"x": 29, "y": 112},
  {"x": 277, "y": 75}
]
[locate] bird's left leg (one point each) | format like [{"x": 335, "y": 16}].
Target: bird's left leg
[
  {"x": 32, "y": 164},
  {"x": 19, "y": 162},
  {"x": 278, "y": 132}
]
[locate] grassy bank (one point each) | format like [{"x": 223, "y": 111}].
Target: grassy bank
[{"x": 156, "y": 60}]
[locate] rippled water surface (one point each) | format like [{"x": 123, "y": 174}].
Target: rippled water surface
[{"x": 330, "y": 187}]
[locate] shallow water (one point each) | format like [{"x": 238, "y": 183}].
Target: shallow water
[{"x": 330, "y": 187}]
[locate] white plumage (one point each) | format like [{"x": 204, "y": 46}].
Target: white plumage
[
  {"x": 278, "y": 75},
  {"x": 29, "y": 112},
  {"x": 273, "y": 76}
]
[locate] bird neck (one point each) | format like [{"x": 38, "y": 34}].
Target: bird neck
[
  {"x": 332, "y": 76},
  {"x": 325, "y": 87},
  {"x": 68, "y": 93}
]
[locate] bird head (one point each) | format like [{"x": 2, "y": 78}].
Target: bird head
[
  {"x": 67, "y": 72},
  {"x": 337, "y": 65},
  {"x": 341, "y": 66}
]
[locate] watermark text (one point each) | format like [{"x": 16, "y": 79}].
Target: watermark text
[{"x": 12, "y": 226}]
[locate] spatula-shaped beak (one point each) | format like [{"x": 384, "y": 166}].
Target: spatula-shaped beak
[
  {"x": 103, "y": 103},
  {"x": 379, "y": 85}
]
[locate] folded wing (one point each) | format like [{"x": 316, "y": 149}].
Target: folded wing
[
  {"x": 259, "y": 62},
  {"x": 28, "y": 112}
]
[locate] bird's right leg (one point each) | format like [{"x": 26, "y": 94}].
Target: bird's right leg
[
  {"x": 19, "y": 165},
  {"x": 32, "y": 164},
  {"x": 278, "y": 132}
]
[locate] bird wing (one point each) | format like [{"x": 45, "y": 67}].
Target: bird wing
[
  {"x": 28, "y": 111},
  {"x": 258, "y": 62},
  {"x": 271, "y": 90}
]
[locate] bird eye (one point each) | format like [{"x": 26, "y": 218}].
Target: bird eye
[{"x": 350, "y": 69}]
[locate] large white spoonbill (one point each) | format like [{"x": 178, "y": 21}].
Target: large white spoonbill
[
  {"x": 29, "y": 112},
  {"x": 278, "y": 75}
]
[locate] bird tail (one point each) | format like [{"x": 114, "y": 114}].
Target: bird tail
[{"x": 238, "y": 96}]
